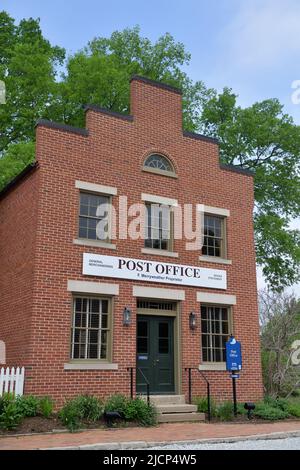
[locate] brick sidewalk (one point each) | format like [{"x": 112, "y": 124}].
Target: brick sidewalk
[{"x": 162, "y": 433}]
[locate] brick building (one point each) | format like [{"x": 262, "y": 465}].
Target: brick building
[{"x": 80, "y": 305}]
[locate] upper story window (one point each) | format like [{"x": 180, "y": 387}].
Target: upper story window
[
  {"x": 159, "y": 164},
  {"x": 214, "y": 236},
  {"x": 158, "y": 227},
  {"x": 94, "y": 216}
]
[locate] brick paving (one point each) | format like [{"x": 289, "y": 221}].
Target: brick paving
[{"x": 162, "y": 433}]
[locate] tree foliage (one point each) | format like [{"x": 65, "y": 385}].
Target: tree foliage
[
  {"x": 261, "y": 137},
  {"x": 280, "y": 327}
]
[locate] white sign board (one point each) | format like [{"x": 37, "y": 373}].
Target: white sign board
[{"x": 153, "y": 271}]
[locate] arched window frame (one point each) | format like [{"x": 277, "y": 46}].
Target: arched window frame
[{"x": 159, "y": 171}]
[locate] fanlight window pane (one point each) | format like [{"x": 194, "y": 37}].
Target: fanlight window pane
[{"x": 159, "y": 162}]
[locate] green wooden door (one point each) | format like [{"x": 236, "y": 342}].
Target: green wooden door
[{"x": 155, "y": 354}]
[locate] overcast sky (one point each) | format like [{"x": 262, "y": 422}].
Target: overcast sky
[{"x": 252, "y": 46}]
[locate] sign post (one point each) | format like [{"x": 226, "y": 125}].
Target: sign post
[{"x": 234, "y": 365}]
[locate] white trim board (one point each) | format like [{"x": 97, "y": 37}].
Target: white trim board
[
  {"x": 158, "y": 293},
  {"x": 86, "y": 287},
  {"x": 222, "y": 299},
  {"x": 96, "y": 188},
  {"x": 159, "y": 199}
]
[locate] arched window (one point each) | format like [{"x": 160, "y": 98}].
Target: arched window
[{"x": 157, "y": 163}]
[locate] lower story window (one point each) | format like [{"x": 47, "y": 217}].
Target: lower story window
[
  {"x": 215, "y": 328},
  {"x": 91, "y": 334}
]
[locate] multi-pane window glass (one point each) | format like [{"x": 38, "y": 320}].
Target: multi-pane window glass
[
  {"x": 142, "y": 337},
  {"x": 90, "y": 329},
  {"x": 93, "y": 217},
  {"x": 158, "y": 227},
  {"x": 213, "y": 236},
  {"x": 163, "y": 338},
  {"x": 215, "y": 333},
  {"x": 158, "y": 162}
]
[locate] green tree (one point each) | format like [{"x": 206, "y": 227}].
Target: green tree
[
  {"x": 28, "y": 66},
  {"x": 101, "y": 72},
  {"x": 261, "y": 137}
]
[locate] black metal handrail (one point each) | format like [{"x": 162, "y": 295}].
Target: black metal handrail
[
  {"x": 189, "y": 369},
  {"x": 145, "y": 378}
]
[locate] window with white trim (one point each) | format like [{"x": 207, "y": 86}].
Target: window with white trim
[
  {"x": 215, "y": 331},
  {"x": 91, "y": 332},
  {"x": 214, "y": 243},
  {"x": 94, "y": 216},
  {"x": 158, "y": 227}
]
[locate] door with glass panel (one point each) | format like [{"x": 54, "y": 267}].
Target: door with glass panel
[{"x": 155, "y": 354}]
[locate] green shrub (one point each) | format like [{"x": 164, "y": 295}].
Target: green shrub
[
  {"x": 225, "y": 411},
  {"x": 27, "y": 405},
  {"x": 138, "y": 410},
  {"x": 71, "y": 415},
  {"x": 117, "y": 403},
  {"x": 202, "y": 405},
  {"x": 10, "y": 415},
  {"x": 45, "y": 407},
  {"x": 91, "y": 407},
  {"x": 264, "y": 410},
  {"x": 240, "y": 409},
  {"x": 280, "y": 403},
  {"x": 76, "y": 410},
  {"x": 294, "y": 409}
]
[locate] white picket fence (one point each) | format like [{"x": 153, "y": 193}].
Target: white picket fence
[{"x": 12, "y": 380}]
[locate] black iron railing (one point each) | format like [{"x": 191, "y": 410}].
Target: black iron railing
[
  {"x": 131, "y": 369},
  {"x": 189, "y": 369}
]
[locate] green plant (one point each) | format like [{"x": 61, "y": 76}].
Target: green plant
[
  {"x": 10, "y": 415},
  {"x": 266, "y": 411},
  {"x": 294, "y": 409},
  {"x": 138, "y": 410},
  {"x": 76, "y": 410},
  {"x": 71, "y": 415},
  {"x": 225, "y": 411},
  {"x": 202, "y": 405},
  {"x": 45, "y": 407},
  {"x": 91, "y": 407},
  {"x": 27, "y": 405},
  {"x": 118, "y": 403},
  {"x": 280, "y": 403}
]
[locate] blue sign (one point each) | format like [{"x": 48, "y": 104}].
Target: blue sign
[{"x": 233, "y": 355}]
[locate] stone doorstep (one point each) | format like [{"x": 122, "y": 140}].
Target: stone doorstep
[
  {"x": 180, "y": 417},
  {"x": 158, "y": 400},
  {"x": 181, "y": 408},
  {"x": 140, "y": 445}
]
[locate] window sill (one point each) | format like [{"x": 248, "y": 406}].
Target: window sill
[
  {"x": 160, "y": 172},
  {"x": 153, "y": 251},
  {"x": 96, "y": 243},
  {"x": 212, "y": 366},
  {"x": 212, "y": 259},
  {"x": 90, "y": 366}
]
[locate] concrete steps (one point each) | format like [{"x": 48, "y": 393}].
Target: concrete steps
[{"x": 173, "y": 408}]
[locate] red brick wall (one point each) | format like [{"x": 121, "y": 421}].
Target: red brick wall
[
  {"x": 18, "y": 221},
  {"x": 112, "y": 155}
]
